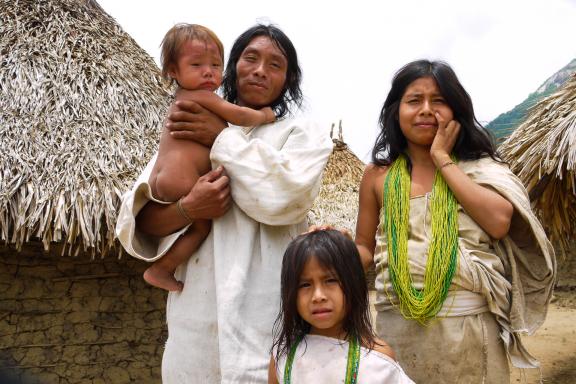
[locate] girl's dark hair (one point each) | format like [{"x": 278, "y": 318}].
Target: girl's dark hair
[
  {"x": 291, "y": 94},
  {"x": 339, "y": 254},
  {"x": 473, "y": 141}
]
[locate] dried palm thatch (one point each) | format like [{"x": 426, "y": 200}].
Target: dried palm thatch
[
  {"x": 337, "y": 202},
  {"x": 81, "y": 109},
  {"x": 542, "y": 152}
]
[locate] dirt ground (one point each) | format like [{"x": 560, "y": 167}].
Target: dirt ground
[{"x": 554, "y": 343}]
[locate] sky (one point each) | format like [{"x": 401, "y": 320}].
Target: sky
[{"x": 501, "y": 50}]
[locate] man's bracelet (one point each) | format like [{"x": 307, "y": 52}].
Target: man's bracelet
[
  {"x": 447, "y": 164},
  {"x": 183, "y": 212}
]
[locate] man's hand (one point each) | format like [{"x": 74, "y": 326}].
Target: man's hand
[
  {"x": 210, "y": 196},
  {"x": 344, "y": 231},
  {"x": 188, "y": 120}
]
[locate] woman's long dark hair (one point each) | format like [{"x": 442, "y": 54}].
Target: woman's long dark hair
[
  {"x": 291, "y": 94},
  {"x": 339, "y": 254},
  {"x": 473, "y": 141}
]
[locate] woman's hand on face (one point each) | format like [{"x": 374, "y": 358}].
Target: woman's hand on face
[
  {"x": 188, "y": 120},
  {"x": 444, "y": 140}
]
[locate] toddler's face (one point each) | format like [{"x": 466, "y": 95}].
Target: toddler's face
[
  {"x": 320, "y": 299},
  {"x": 199, "y": 66}
]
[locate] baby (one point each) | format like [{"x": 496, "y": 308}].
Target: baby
[{"x": 193, "y": 56}]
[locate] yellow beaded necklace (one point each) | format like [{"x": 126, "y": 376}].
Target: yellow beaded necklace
[{"x": 420, "y": 304}]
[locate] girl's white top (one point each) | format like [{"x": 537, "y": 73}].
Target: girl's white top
[
  {"x": 321, "y": 359},
  {"x": 220, "y": 325}
]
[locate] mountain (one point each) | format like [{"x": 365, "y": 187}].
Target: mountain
[{"x": 507, "y": 122}]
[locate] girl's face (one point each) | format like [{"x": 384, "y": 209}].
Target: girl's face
[
  {"x": 199, "y": 66},
  {"x": 416, "y": 115},
  {"x": 320, "y": 301}
]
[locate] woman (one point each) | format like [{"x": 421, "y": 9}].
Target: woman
[
  {"x": 463, "y": 264},
  {"x": 220, "y": 325}
]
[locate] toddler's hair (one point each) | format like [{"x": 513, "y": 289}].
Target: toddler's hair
[
  {"x": 178, "y": 35},
  {"x": 339, "y": 254}
]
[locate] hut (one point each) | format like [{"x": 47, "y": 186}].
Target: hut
[
  {"x": 80, "y": 114},
  {"x": 542, "y": 152}
]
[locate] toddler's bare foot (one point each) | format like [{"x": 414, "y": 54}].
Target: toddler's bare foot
[{"x": 162, "y": 278}]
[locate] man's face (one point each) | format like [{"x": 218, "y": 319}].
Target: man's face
[{"x": 261, "y": 73}]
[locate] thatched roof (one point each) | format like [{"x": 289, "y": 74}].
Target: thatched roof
[
  {"x": 337, "y": 202},
  {"x": 542, "y": 152},
  {"x": 80, "y": 114}
]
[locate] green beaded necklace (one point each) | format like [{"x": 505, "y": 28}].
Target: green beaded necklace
[
  {"x": 420, "y": 304},
  {"x": 351, "y": 365}
]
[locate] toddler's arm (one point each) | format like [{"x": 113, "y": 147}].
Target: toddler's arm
[{"x": 235, "y": 114}]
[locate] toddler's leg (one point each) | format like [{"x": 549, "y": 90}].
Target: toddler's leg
[
  {"x": 171, "y": 184},
  {"x": 161, "y": 273}
]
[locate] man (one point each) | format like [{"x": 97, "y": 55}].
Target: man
[{"x": 220, "y": 325}]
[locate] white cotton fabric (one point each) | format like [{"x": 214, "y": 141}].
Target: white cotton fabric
[
  {"x": 220, "y": 325},
  {"x": 463, "y": 303},
  {"x": 322, "y": 360}
]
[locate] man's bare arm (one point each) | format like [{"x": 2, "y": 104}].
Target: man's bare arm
[{"x": 208, "y": 199}]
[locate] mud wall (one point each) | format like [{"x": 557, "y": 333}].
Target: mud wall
[{"x": 77, "y": 320}]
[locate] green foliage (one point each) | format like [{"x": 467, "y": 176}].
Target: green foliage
[{"x": 507, "y": 122}]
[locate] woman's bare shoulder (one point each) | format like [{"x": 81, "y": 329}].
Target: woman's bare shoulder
[
  {"x": 373, "y": 177},
  {"x": 375, "y": 171},
  {"x": 382, "y": 347}
]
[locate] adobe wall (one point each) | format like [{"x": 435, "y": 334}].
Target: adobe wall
[
  {"x": 76, "y": 320},
  {"x": 70, "y": 320}
]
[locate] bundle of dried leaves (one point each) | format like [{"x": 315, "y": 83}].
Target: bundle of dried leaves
[
  {"x": 337, "y": 202},
  {"x": 80, "y": 115}
]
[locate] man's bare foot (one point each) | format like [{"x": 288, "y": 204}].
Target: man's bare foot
[{"x": 162, "y": 278}]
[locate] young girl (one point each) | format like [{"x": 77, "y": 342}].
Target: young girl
[
  {"x": 193, "y": 56},
  {"x": 323, "y": 333},
  {"x": 463, "y": 264}
]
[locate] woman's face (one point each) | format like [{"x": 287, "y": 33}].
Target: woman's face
[
  {"x": 261, "y": 73},
  {"x": 416, "y": 114}
]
